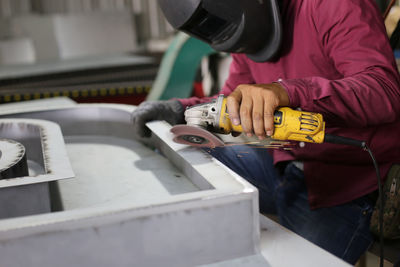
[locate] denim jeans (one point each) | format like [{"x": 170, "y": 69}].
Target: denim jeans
[{"x": 342, "y": 230}]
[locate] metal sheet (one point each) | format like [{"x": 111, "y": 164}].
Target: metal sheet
[
  {"x": 112, "y": 170},
  {"x": 46, "y": 160},
  {"x": 45, "y": 150}
]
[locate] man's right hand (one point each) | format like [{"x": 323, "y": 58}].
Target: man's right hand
[
  {"x": 253, "y": 106},
  {"x": 169, "y": 110}
]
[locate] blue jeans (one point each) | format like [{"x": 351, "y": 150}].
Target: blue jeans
[{"x": 342, "y": 230}]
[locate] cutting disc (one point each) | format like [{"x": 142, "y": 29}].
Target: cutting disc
[{"x": 195, "y": 136}]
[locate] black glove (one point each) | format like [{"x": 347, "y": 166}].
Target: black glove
[{"x": 169, "y": 110}]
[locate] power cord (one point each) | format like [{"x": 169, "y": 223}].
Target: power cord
[
  {"x": 329, "y": 138},
  {"x": 381, "y": 204}
]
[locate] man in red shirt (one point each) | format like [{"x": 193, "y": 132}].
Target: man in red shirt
[{"x": 334, "y": 59}]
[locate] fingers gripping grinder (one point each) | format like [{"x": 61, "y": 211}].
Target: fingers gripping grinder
[{"x": 205, "y": 119}]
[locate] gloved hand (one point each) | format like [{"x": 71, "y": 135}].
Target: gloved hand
[{"x": 168, "y": 110}]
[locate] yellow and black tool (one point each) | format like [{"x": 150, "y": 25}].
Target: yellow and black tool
[{"x": 289, "y": 124}]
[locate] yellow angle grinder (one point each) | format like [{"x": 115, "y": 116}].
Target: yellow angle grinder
[{"x": 212, "y": 117}]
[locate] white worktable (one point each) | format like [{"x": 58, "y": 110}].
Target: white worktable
[{"x": 283, "y": 248}]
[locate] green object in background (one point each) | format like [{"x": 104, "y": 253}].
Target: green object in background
[{"x": 178, "y": 68}]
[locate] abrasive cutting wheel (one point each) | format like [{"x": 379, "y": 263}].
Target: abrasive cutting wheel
[{"x": 195, "y": 136}]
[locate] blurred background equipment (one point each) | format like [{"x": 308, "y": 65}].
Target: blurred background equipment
[
  {"x": 89, "y": 50},
  {"x": 104, "y": 51}
]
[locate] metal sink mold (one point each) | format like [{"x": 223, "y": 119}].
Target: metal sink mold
[{"x": 207, "y": 214}]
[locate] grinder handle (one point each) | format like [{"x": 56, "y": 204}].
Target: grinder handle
[{"x": 289, "y": 125}]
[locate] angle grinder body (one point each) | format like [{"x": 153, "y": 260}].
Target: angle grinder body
[{"x": 213, "y": 117}]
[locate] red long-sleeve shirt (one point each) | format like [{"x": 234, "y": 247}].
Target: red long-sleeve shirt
[{"x": 335, "y": 60}]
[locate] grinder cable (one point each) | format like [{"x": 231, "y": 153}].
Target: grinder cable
[{"x": 329, "y": 138}]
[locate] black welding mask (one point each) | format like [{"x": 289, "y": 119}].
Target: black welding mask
[{"x": 251, "y": 27}]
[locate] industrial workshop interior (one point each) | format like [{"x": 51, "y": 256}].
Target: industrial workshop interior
[{"x": 199, "y": 133}]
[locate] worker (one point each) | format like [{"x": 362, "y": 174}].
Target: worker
[{"x": 329, "y": 57}]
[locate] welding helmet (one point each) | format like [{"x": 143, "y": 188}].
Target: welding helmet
[{"x": 252, "y": 27}]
